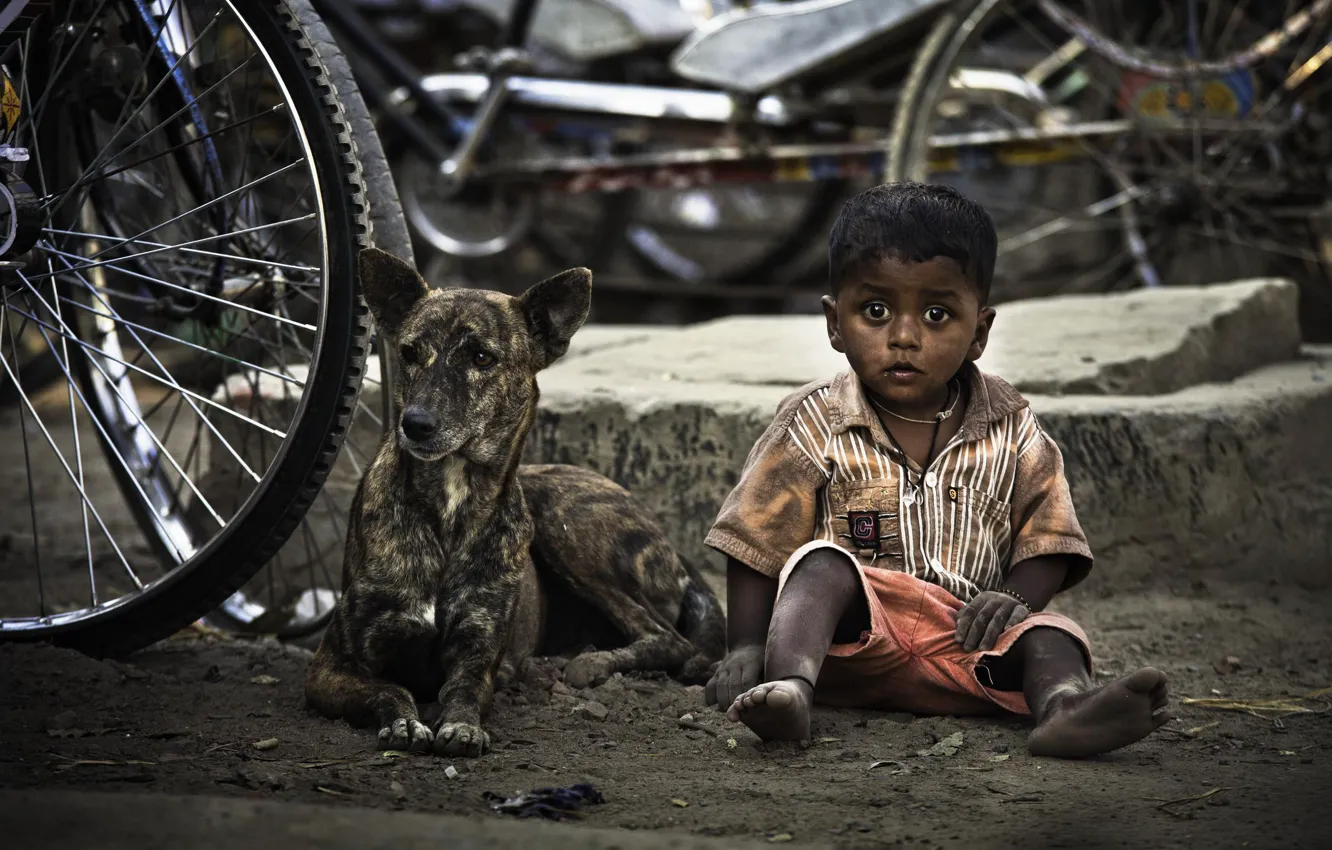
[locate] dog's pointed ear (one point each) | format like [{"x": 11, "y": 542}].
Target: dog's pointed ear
[
  {"x": 555, "y": 309},
  {"x": 391, "y": 288}
]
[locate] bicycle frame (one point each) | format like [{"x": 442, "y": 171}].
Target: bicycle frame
[
  {"x": 453, "y": 141},
  {"x": 456, "y": 141}
]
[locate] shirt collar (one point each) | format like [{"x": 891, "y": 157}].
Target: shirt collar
[{"x": 989, "y": 399}]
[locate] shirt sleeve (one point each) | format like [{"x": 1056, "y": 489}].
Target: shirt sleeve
[
  {"x": 1044, "y": 519},
  {"x": 771, "y": 512}
]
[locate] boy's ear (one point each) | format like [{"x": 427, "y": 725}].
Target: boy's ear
[
  {"x": 555, "y": 309},
  {"x": 984, "y": 322},
  {"x": 391, "y": 288},
  {"x": 834, "y": 330}
]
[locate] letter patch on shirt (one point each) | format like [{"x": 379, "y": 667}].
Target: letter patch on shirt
[{"x": 864, "y": 529}]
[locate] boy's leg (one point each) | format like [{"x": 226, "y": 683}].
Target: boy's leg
[
  {"x": 822, "y": 602},
  {"x": 1074, "y": 717}
]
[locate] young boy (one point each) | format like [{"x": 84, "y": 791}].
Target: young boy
[{"x": 898, "y": 531}]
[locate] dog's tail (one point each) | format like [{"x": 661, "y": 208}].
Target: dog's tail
[{"x": 702, "y": 623}]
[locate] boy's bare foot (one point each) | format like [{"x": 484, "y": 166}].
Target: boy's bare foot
[
  {"x": 1107, "y": 718},
  {"x": 775, "y": 711}
]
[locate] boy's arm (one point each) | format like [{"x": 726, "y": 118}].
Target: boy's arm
[
  {"x": 1038, "y": 579},
  {"x": 1050, "y": 551},
  {"x": 1035, "y": 581},
  {"x": 750, "y": 596},
  {"x": 769, "y": 514}
]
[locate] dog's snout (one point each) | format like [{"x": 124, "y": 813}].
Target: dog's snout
[{"x": 418, "y": 423}]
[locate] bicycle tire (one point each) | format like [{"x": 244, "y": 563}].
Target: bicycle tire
[
  {"x": 341, "y": 139},
  {"x": 954, "y": 28},
  {"x": 390, "y": 232}
]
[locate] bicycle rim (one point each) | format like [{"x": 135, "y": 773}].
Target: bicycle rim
[
  {"x": 194, "y": 277},
  {"x": 1175, "y": 179}
]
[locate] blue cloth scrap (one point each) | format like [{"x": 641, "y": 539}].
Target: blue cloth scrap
[{"x": 549, "y": 803}]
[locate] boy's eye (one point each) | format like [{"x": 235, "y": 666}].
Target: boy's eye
[
  {"x": 876, "y": 311},
  {"x": 935, "y": 315}
]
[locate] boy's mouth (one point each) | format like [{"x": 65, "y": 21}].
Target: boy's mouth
[{"x": 902, "y": 369}]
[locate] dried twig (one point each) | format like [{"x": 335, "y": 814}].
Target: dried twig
[
  {"x": 694, "y": 724},
  {"x": 1165, "y": 805},
  {"x": 1265, "y": 709}
]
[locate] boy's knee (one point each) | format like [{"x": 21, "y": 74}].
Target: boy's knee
[{"x": 825, "y": 565}]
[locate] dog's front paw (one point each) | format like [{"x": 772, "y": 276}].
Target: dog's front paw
[
  {"x": 588, "y": 670},
  {"x": 406, "y": 735},
  {"x": 461, "y": 739}
]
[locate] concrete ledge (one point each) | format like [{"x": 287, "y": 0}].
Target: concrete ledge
[
  {"x": 1224, "y": 475},
  {"x": 1215, "y": 478},
  {"x": 1145, "y": 341}
]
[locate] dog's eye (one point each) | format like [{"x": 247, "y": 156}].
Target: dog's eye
[
  {"x": 483, "y": 360},
  {"x": 410, "y": 354}
]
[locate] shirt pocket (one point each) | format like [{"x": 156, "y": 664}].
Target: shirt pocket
[
  {"x": 977, "y": 546},
  {"x": 865, "y": 521}
]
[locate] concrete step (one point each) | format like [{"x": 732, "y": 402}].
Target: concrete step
[
  {"x": 1216, "y": 477},
  {"x": 1144, "y": 341},
  {"x": 1192, "y": 435}
]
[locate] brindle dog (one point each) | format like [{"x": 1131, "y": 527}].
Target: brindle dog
[{"x": 459, "y": 562}]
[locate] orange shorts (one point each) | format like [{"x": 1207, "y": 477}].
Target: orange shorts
[{"x": 909, "y": 660}]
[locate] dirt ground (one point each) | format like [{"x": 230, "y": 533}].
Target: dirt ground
[
  {"x": 184, "y": 717},
  {"x": 188, "y": 715}
]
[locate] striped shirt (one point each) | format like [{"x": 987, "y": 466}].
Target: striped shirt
[{"x": 825, "y": 469}]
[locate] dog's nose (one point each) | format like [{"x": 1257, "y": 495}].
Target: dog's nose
[{"x": 418, "y": 423}]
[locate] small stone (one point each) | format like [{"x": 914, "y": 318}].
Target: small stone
[
  {"x": 561, "y": 689},
  {"x": 593, "y": 710},
  {"x": 781, "y": 838},
  {"x": 451, "y": 772},
  {"x": 264, "y": 679},
  {"x": 131, "y": 672},
  {"x": 265, "y": 744},
  {"x": 1227, "y": 664},
  {"x": 396, "y": 789}
]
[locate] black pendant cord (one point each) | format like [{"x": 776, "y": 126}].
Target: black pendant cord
[{"x": 934, "y": 438}]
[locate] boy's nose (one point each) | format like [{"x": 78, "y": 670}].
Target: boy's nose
[
  {"x": 418, "y": 423},
  {"x": 903, "y": 333}
]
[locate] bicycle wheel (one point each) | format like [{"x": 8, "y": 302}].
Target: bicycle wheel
[
  {"x": 199, "y": 206},
  {"x": 292, "y": 596},
  {"x": 1130, "y": 144}
]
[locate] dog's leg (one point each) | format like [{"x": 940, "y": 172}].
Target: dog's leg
[
  {"x": 336, "y": 688},
  {"x": 702, "y": 623},
  {"x": 652, "y": 646},
  {"x": 471, "y": 657}
]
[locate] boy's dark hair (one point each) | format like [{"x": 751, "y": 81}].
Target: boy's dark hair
[{"x": 913, "y": 223}]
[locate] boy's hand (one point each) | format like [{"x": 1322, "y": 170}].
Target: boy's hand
[
  {"x": 985, "y": 618},
  {"x": 740, "y": 670}
]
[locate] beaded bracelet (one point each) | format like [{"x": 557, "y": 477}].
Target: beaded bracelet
[{"x": 1017, "y": 596}]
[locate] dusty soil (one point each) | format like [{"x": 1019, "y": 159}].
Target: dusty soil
[{"x": 185, "y": 716}]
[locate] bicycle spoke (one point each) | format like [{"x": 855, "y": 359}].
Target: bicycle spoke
[
  {"x": 169, "y": 285},
  {"x": 211, "y": 238},
  {"x": 65, "y": 466},
  {"x": 1066, "y": 222},
  {"x": 23, "y": 435},
  {"x": 233, "y": 258}
]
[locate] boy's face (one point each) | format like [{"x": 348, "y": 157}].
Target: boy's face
[{"x": 906, "y": 328}]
